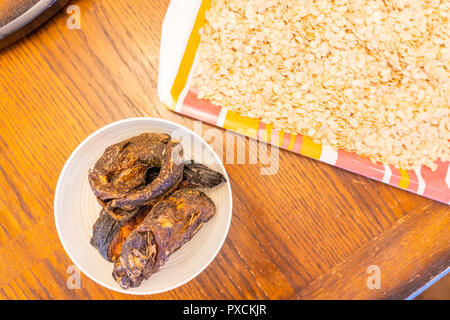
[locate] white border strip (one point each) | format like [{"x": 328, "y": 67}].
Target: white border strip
[
  {"x": 176, "y": 30},
  {"x": 222, "y": 116},
  {"x": 447, "y": 177},
  {"x": 328, "y": 155},
  {"x": 387, "y": 173},
  {"x": 421, "y": 181}
]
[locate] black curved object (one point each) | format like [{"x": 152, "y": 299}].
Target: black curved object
[{"x": 35, "y": 16}]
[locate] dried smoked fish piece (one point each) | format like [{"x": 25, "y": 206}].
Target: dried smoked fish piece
[
  {"x": 117, "y": 213},
  {"x": 195, "y": 175},
  {"x": 119, "y": 177},
  {"x": 170, "y": 224},
  {"x": 110, "y": 232}
]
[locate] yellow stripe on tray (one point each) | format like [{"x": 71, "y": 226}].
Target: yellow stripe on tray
[
  {"x": 189, "y": 54},
  {"x": 310, "y": 148},
  {"x": 280, "y": 138},
  {"x": 404, "y": 179},
  {"x": 244, "y": 125},
  {"x": 267, "y": 133},
  {"x": 291, "y": 142}
]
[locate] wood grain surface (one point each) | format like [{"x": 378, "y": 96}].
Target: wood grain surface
[{"x": 309, "y": 231}]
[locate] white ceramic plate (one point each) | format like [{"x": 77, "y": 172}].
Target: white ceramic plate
[{"x": 76, "y": 208}]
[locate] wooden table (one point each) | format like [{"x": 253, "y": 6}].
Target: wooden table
[{"x": 309, "y": 231}]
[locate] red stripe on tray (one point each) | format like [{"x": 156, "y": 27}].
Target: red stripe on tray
[
  {"x": 395, "y": 177},
  {"x": 298, "y": 143},
  {"x": 435, "y": 185},
  {"x": 274, "y": 137},
  {"x": 261, "y": 131},
  {"x": 286, "y": 140},
  {"x": 200, "y": 109},
  {"x": 360, "y": 165}
]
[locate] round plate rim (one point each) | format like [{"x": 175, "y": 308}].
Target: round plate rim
[{"x": 63, "y": 173}]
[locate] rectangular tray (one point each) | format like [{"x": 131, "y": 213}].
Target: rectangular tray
[{"x": 179, "y": 43}]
